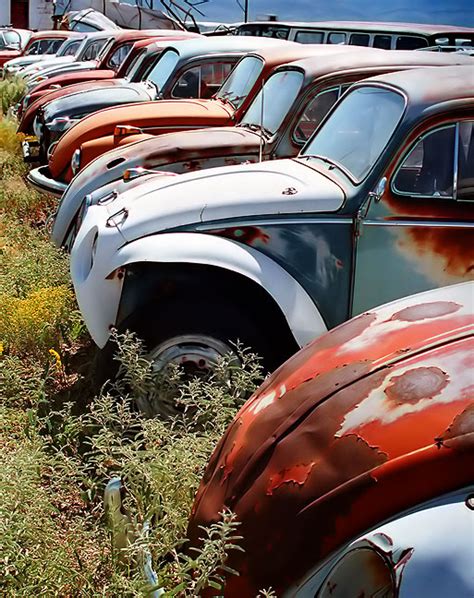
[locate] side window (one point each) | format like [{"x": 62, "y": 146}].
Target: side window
[
  {"x": 117, "y": 58},
  {"x": 309, "y": 37},
  {"x": 428, "y": 170},
  {"x": 93, "y": 50},
  {"x": 201, "y": 81},
  {"x": 406, "y": 42},
  {"x": 359, "y": 39},
  {"x": 72, "y": 48},
  {"x": 33, "y": 50},
  {"x": 336, "y": 37},
  {"x": 382, "y": 41},
  {"x": 313, "y": 114},
  {"x": 54, "y": 46},
  {"x": 465, "y": 182}
]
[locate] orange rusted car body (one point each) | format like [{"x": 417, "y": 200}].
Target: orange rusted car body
[
  {"x": 367, "y": 421},
  {"x": 165, "y": 116}
]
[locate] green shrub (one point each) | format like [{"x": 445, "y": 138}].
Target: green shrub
[{"x": 12, "y": 90}]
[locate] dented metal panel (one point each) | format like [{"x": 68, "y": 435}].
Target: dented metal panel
[{"x": 371, "y": 419}]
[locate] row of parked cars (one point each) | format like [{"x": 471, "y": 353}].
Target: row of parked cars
[{"x": 241, "y": 187}]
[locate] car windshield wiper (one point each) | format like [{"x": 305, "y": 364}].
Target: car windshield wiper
[
  {"x": 256, "y": 128},
  {"x": 326, "y": 160}
]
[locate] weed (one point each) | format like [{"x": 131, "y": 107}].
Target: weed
[{"x": 11, "y": 91}]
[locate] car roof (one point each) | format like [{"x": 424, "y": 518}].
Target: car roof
[
  {"x": 289, "y": 52},
  {"x": 62, "y": 33},
  {"x": 427, "y": 86},
  {"x": 140, "y": 34},
  {"x": 314, "y": 67},
  {"x": 371, "y": 26},
  {"x": 227, "y": 43}
]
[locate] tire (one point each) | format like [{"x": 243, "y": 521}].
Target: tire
[{"x": 206, "y": 327}]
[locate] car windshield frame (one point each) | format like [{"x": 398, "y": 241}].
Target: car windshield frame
[
  {"x": 163, "y": 70},
  {"x": 274, "y": 105},
  {"x": 4, "y": 43},
  {"x": 229, "y": 91},
  {"x": 326, "y": 133},
  {"x": 76, "y": 43}
]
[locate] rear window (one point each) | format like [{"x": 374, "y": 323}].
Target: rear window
[
  {"x": 309, "y": 37},
  {"x": 44, "y": 46},
  {"x": 409, "y": 42},
  {"x": 359, "y": 39}
]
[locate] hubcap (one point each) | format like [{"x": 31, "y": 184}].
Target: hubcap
[{"x": 195, "y": 353}]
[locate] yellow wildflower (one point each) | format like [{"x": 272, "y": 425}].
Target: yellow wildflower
[
  {"x": 1, "y": 348},
  {"x": 57, "y": 359}
]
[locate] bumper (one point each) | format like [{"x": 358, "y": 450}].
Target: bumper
[{"x": 41, "y": 179}]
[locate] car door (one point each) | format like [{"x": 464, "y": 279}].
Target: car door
[{"x": 420, "y": 233}]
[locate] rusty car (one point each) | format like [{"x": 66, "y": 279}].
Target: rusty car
[
  {"x": 295, "y": 98},
  {"x": 350, "y": 470},
  {"x": 121, "y": 125},
  {"x": 378, "y": 205}
]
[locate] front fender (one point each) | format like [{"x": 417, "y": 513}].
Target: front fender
[{"x": 99, "y": 292}]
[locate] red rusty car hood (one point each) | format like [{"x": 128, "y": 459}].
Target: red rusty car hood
[
  {"x": 334, "y": 441},
  {"x": 46, "y": 95},
  {"x": 169, "y": 114},
  {"x": 184, "y": 146}
]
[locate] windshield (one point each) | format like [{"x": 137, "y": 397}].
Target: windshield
[
  {"x": 69, "y": 48},
  {"x": 163, "y": 68},
  {"x": 277, "y": 96},
  {"x": 357, "y": 131},
  {"x": 91, "y": 49},
  {"x": 10, "y": 39},
  {"x": 241, "y": 80},
  {"x": 135, "y": 64}
]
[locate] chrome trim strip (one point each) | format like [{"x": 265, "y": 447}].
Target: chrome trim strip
[
  {"x": 274, "y": 222},
  {"x": 418, "y": 224},
  {"x": 456, "y": 162}
]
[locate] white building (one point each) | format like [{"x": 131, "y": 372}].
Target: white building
[{"x": 28, "y": 14}]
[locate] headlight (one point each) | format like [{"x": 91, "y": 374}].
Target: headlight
[{"x": 76, "y": 161}]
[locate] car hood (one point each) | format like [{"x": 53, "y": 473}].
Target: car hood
[
  {"x": 23, "y": 61},
  {"x": 78, "y": 103},
  {"x": 327, "y": 440},
  {"x": 35, "y": 66},
  {"x": 242, "y": 191},
  {"x": 161, "y": 151},
  {"x": 53, "y": 70},
  {"x": 162, "y": 113}
]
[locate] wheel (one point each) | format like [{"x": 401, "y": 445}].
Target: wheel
[{"x": 196, "y": 332}]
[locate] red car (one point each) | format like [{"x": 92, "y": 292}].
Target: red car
[
  {"x": 114, "y": 64},
  {"x": 42, "y": 42},
  {"x": 351, "y": 469},
  {"x": 12, "y": 43}
]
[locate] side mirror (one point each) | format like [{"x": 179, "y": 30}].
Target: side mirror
[{"x": 379, "y": 190}]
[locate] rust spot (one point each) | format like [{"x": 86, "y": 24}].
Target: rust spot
[
  {"x": 294, "y": 475},
  {"x": 424, "y": 311},
  {"x": 461, "y": 426},
  {"x": 417, "y": 384}
]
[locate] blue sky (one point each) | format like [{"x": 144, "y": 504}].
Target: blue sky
[{"x": 456, "y": 12}]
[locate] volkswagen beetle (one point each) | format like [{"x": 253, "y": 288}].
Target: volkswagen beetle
[
  {"x": 279, "y": 130},
  {"x": 351, "y": 469},
  {"x": 378, "y": 205}
]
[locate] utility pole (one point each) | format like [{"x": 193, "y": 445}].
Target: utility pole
[{"x": 246, "y": 11}]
